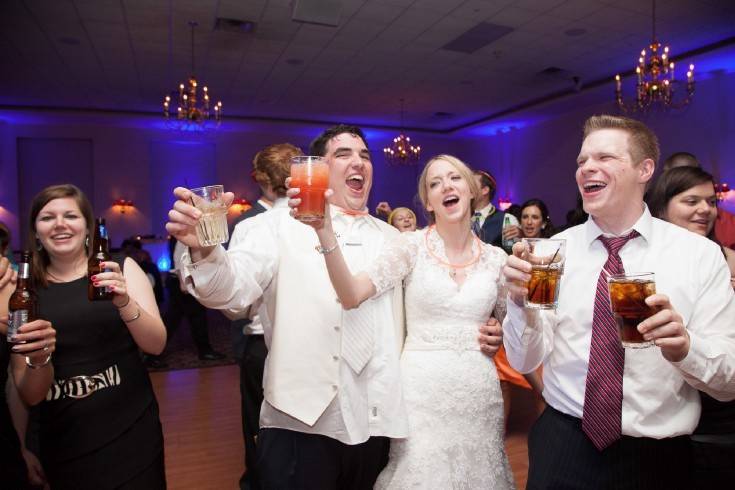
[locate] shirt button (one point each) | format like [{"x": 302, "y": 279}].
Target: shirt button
[
  {"x": 337, "y": 300},
  {"x": 335, "y": 358},
  {"x": 336, "y": 329},
  {"x": 375, "y": 411},
  {"x": 334, "y": 387}
]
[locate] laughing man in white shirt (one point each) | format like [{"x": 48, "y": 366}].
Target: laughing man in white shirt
[
  {"x": 331, "y": 386},
  {"x": 619, "y": 418}
]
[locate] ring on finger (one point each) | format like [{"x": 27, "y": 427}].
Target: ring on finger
[{"x": 45, "y": 348}]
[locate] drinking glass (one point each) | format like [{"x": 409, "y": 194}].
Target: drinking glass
[
  {"x": 628, "y": 293},
  {"x": 547, "y": 256},
  {"x": 212, "y": 226},
  {"x": 311, "y": 175}
]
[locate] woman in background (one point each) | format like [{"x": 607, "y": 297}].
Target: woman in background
[
  {"x": 403, "y": 219},
  {"x": 99, "y": 424},
  {"x": 685, "y": 196},
  {"x": 535, "y": 220}
]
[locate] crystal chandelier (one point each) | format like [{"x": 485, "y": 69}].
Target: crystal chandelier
[
  {"x": 402, "y": 151},
  {"x": 655, "y": 79},
  {"x": 192, "y": 111}
]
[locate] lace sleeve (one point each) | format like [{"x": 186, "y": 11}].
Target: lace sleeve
[
  {"x": 394, "y": 262},
  {"x": 500, "y": 258}
]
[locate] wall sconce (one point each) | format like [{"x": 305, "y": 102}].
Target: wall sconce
[
  {"x": 241, "y": 205},
  {"x": 123, "y": 205},
  {"x": 722, "y": 191},
  {"x": 504, "y": 203}
]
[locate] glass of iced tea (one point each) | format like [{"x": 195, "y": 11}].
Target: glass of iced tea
[
  {"x": 311, "y": 175},
  {"x": 212, "y": 226},
  {"x": 547, "y": 256},
  {"x": 628, "y": 293}
]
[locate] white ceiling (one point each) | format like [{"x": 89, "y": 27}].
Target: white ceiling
[{"x": 125, "y": 55}]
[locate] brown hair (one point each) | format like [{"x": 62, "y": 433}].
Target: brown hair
[
  {"x": 463, "y": 170},
  {"x": 4, "y": 238},
  {"x": 272, "y": 165},
  {"x": 40, "y": 259},
  {"x": 643, "y": 142}
]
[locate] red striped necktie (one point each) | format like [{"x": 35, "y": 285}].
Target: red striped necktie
[{"x": 603, "y": 396}]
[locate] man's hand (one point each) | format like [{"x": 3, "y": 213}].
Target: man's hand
[
  {"x": 517, "y": 272},
  {"x": 383, "y": 209},
  {"x": 491, "y": 337},
  {"x": 7, "y": 274},
  {"x": 183, "y": 218},
  {"x": 666, "y": 329}
]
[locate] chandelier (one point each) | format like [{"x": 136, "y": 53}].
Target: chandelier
[
  {"x": 655, "y": 79},
  {"x": 192, "y": 111},
  {"x": 402, "y": 151}
]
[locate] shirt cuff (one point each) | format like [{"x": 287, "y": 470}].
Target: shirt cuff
[
  {"x": 201, "y": 270},
  {"x": 694, "y": 365}
]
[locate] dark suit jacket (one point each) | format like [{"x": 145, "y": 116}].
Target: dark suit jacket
[{"x": 492, "y": 229}]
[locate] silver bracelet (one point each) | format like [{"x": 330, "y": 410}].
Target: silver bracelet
[
  {"x": 325, "y": 251},
  {"x": 135, "y": 317},
  {"x": 36, "y": 366}
]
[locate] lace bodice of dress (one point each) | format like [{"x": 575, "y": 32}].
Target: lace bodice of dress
[{"x": 440, "y": 314}]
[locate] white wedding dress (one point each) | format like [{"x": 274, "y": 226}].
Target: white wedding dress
[{"x": 451, "y": 389}]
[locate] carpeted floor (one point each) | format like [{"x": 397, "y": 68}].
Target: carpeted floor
[{"x": 181, "y": 353}]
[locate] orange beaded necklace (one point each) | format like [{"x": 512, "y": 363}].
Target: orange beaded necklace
[{"x": 453, "y": 268}]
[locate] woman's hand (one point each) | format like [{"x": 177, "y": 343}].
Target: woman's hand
[
  {"x": 114, "y": 280},
  {"x": 7, "y": 275},
  {"x": 36, "y": 475},
  {"x": 491, "y": 337},
  {"x": 38, "y": 341},
  {"x": 294, "y": 201}
]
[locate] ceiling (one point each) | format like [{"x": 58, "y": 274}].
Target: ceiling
[{"x": 125, "y": 55}]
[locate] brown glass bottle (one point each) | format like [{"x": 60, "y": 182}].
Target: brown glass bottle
[
  {"x": 23, "y": 303},
  {"x": 100, "y": 253}
]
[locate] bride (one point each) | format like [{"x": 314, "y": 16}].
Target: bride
[{"x": 451, "y": 389}]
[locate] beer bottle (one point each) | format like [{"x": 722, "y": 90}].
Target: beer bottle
[
  {"x": 507, "y": 242},
  {"x": 23, "y": 303},
  {"x": 100, "y": 253}
]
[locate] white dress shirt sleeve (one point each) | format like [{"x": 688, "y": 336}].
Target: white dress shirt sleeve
[
  {"x": 235, "y": 279},
  {"x": 528, "y": 336},
  {"x": 710, "y": 364}
]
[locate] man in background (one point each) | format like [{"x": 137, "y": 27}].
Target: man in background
[{"x": 487, "y": 222}]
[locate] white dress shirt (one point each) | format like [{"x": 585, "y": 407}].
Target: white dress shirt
[
  {"x": 489, "y": 210},
  {"x": 255, "y": 326},
  {"x": 307, "y": 385},
  {"x": 659, "y": 397}
]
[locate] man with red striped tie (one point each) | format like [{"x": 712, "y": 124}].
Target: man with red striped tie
[{"x": 620, "y": 418}]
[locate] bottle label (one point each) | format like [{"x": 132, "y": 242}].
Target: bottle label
[
  {"x": 24, "y": 270},
  {"x": 15, "y": 320}
]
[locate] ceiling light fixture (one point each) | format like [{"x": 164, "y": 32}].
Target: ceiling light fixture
[
  {"x": 192, "y": 112},
  {"x": 656, "y": 81},
  {"x": 402, "y": 152}
]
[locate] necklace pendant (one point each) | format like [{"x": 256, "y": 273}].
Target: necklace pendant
[{"x": 453, "y": 273}]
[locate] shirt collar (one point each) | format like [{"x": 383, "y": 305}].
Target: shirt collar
[
  {"x": 345, "y": 219},
  {"x": 642, "y": 226},
  {"x": 486, "y": 211},
  {"x": 265, "y": 204},
  {"x": 281, "y": 202}
]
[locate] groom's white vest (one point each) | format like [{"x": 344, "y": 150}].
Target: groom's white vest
[{"x": 305, "y": 321}]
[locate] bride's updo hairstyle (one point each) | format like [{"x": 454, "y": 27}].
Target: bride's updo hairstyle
[{"x": 462, "y": 169}]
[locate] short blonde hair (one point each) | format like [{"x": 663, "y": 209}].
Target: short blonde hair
[
  {"x": 463, "y": 170},
  {"x": 642, "y": 141},
  {"x": 397, "y": 210}
]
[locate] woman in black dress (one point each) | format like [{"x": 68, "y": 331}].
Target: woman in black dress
[
  {"x": 32, "y": 373},
  {"x": 99, "y": 424}
]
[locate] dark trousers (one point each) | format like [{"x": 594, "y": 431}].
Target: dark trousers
[
  {"x": 251, "y": 398},
  {"x": 182, "y": 305},
  {"x": 561, "y": 456},
  {"x": 290, "y": 460},
  {"x": 714, "y": 461}
]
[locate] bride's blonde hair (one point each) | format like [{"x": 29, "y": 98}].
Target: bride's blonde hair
[{"x": 461, "y": 168}]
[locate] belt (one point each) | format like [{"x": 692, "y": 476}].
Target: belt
[{"x": 84, "y": 385}]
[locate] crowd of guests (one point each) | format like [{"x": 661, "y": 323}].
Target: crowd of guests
[{"x": 364, "y": 364}]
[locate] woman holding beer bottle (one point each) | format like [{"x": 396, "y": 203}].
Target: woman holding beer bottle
[
  {"x": 99, "y": 424},
  {"x": 686, "y": 196}
]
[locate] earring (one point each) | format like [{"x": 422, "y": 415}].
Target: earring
[
  {"x": 39, "y": 247},
  {"x": 86, "y": 241}
]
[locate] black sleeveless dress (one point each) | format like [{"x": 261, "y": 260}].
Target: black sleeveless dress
[
  {"x": 99, "y": 424},
  {"x": 13, "y": 473}
]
